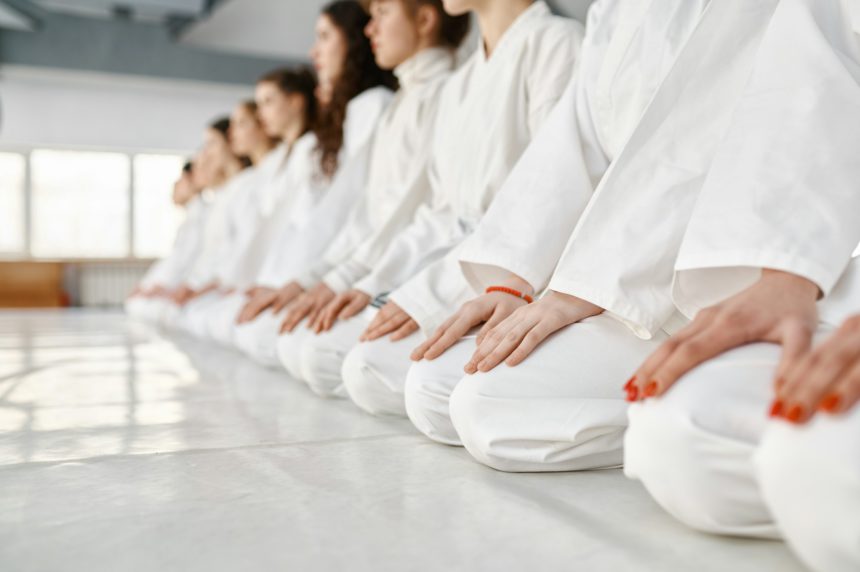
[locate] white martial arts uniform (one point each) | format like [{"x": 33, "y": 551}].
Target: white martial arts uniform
[
  {"x": 622, "y": 253},
  {"x": 239, "y": 258},
  {"x": 489, "y": 112},
  {"x": 628, "y": 49},
  {"x": 782, "y": 194},
  {"x": 397, "y": 185},
  {"x": 316, "y": 213},
  {"x": 223, "y": 231},
  {"x": 280, "y": 201},
  {"x": 172, "y": 270}
]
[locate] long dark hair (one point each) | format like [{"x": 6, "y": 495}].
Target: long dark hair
[
  {"x": 299, "y": 81},
  {"x": 360, "y": 73}
]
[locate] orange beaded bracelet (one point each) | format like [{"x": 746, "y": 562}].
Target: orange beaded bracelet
[{"x": 511, "y": 291}]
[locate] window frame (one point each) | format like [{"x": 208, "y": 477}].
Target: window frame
[{"x": 26, "y": 254}]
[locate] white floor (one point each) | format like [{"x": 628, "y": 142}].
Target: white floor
[{"x": 121, "y": 449}]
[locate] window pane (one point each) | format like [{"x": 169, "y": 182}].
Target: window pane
[
  {"x": 80, "y": 204},
  {"x": 12, "y": 172},
  {"x": 155, "y": 216}
]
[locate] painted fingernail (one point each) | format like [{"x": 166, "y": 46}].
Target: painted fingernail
[
  {"x": 651, "y": 389},
  {"x": 795, "y": 414},
  {"x": 632, "y": 393},
  {"x": 629, "y": 383},
  {"x": 831, "y": 403},
  {"x": 776, "y": 408}
]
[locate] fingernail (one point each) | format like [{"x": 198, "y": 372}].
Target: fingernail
[
  {"x": 831, "y": 403},
  {"x": 776, "y": 408},
  {"x": 651, "y": 389},
  {"x": 795, "y": 414},
  {"x": 632, "y": 393},
  {"x": 629, "y": 383}
]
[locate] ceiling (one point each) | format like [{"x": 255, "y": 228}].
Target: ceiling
[
  {"x": 273, "y": 28},
  {"x": 282, "y": 28},
  {"x": 12, "y": 19},
  {"x": 147, "y": 10}
]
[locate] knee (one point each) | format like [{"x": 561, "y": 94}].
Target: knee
[
  {"x": 289, "y": 349},
  {"x": 426, "y": 396},
  {"x": 681, "y": 462},
  {"x": 320, "y": 369},
  {"x": 473, "y": 418},
  {"x": 364, "y": 382},
  {"x": 489, "y": 427}
]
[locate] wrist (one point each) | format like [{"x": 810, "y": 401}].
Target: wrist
[
  {"x": 514, "y": 282},
  {"x": 803, "y": 286},
  {"x": 510, "y": 292}
]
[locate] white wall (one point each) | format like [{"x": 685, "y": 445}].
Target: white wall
[{"x": 56, "y": 108}]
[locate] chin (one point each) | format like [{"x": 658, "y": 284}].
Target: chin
[
  {"x": 455, "y": 7},
  {"x": 385, "y": 63}
]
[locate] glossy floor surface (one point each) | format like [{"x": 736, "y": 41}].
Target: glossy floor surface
[{"x": 123, "y": 449}]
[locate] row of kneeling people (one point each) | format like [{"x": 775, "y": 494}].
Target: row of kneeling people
[{"x": 669, "y": 194}]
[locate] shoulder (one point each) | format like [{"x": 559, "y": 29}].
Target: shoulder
[
  {"x": 553, "y": 37},
  {"x": 362, "y": 116},
  {"x": 457, "y": 82},
  {"x": 375, "y": 98}
]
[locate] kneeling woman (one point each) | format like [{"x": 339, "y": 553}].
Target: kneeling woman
[{"x": 353, "y": 93}]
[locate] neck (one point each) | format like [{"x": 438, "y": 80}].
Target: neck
[
  {"x": 494, "y": 19},
  {"x": 232, "y": 167},
  {"x": 424, "y": 43},
  {"x": 293, "y": 132},
  {"x": 259, "y": 153}
]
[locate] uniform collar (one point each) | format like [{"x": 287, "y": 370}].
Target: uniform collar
[
  {"x": 423, "y": 66},
  {"x": 537, "y": 10}
]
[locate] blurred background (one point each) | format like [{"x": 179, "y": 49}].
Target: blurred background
[{"x": 101, "y": 102}]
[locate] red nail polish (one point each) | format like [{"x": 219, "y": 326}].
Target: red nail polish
[
  {"x": 831, "y": 403},
  {"x": 632, "y": 393},
  {"x": 776, "y": 408},
  {"x": 651, "y": 389},
  {"x": 795, "y": 414},
  {"x": 629, "y": 383}
]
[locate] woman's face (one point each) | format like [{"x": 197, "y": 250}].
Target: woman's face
[
  {"x": 203, "y": 175},
  {"x": 329, "y": 51},
  {"x": 275, "y": 109},
  {"x": 184, "y": 189},
  {"x": 246, "y": 135},
  {"x": 213, "y": 157},
  {"x": 393, "y": 33}
]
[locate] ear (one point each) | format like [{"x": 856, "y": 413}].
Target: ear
[{"x": 428, "y": 22}]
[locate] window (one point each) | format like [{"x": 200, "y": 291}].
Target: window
[
  {"x": 155, "y": 216},
  {"x": 13, "y": 169},
  {"x": 80, "y": 204}
]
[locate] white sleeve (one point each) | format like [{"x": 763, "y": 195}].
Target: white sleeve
[
  {"x": 432, "y": 233},
  {"x": 364, "y": 255},
  {"x": 621, "y": 255},
  {"x": 529, "y": 222},
  {"x": 429, "y": 296},
  {"x": 784, "y": 190}
]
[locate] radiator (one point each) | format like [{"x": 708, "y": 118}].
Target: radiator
[{"x": 104, "y": 285}]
